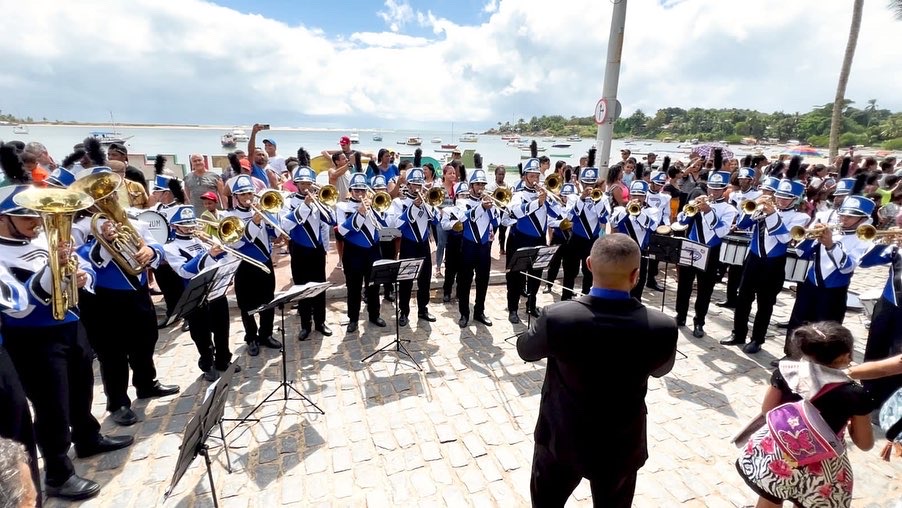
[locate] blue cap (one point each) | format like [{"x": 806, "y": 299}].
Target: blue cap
[
  {"x": 271, "y": 141},
  {"x": 161, "y": 183},
  {"x": 844, "y": 187},
  {"x": 746, "y": 173},
  {"x": 531, "y": 166},
  {"x": 478, "y": 176},
  {"x": 658, "y": 177},
  {"x": 639, "y": 188},
  {"x": 183, "y": 216},
  {"x": 461, "y": 188},
  {"x": 789, "y": 189},
  {"x": 61, "y": 177},
  {"x": 569, "y": 188},
  {"x": 358, "y": 181},
  {"x": 303, "y": 174},
  {"x": 378, "y": 182},
  {"x": 588, "y": 175},
  {"x": 857, "y": 206},
  {"x": 8, "y": 206},
  {"x": 416, "y": 176},
  {"x": 242, "y": 184},
  {"x": 718, "y": 180},
  {"x": 770, "y": 183}
]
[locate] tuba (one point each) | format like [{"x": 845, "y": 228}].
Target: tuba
[
  {"x": 57, "y": 208},
  {"x": 104, "y": 188}
]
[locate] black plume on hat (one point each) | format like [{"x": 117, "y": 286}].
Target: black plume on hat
[
  {"x": 477, "y": 160},
  {"x": 533, "y": 149},
  {"x": 159, "y": 163},
  {"x": 718, "y": 159},
  {"x": 73, "y": 157},
  {"x": 175, "y": 187},
  {"x": 303, "y": 157},
  {"x": 746, "y": 161},
  {"x": 844, "y": 168},
  {"x": 590, "y": 160},
  {"x": 95, "y": 151},
  {"x": 235, "y": 163},
  {"x": 795, "y": 164},
  {"x": 861, "y": 180},
  {"x": 520, "y": 168},
  {"x": 372, "y": 165},
  {"x": 665, "y": 165},
  {"x": 357, "y": 164},
  {"x": 418, "y": 158},
  {"x": 12, "y": 163}
]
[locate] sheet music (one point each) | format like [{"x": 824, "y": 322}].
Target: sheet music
[
  {"x": 544, "y": 255},
  {"x": 694, "y": 255},
  {"x": 409, "y": 269},
  {"x": 223, "y": 278}
]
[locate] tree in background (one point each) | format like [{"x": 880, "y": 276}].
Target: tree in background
[{"x": 838, "y": 102}]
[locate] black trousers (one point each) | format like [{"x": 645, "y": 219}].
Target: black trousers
[
  {"x": 884, "y": 340},
  {"x": 501, "y": 233},
  {"x": 554, "y": 267},
  {"x": 54, "y": 365},
  {"x": 411, "y": 250},
  {"x": 358, "y": 263},
  {"x": 762, "y": 280},
  {"x": 253, "y": 288},
  {"x": 654, "y": 268},
  {"x": 637, "y": 290},
  {"x": 515, "y": 280},
  {"x": 171, "y": 284},
  {"x": 211, "y": 319},
  {"x": 387, "y": 251},
  {"x": 706, "y": 280},
  {"x": 578, "y": 250},
  {"x": 122, "y": 327},
  {"x": 476, "y": 258},
  {"x": 734, "y": 280},
  {"x": 16, "y": 422},
  {"x": 452, "y": 261},
  {"x": 309, "y": 265},
  {"x": 553, "y": 481},
  {"x": 815, "y": 304}
]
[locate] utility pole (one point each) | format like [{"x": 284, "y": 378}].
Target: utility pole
[{"x": 609, "y": 90}]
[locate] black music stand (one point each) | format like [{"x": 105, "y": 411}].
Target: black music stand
[
  {"x": 526, "y": 259},
  {"x": 667, "y": 249},
  {"x": 199, "y": 429},
  {"x": 388, "y": 271},
  {"x": 282, "y": 299},
  {"x": 194, "y": 296}
]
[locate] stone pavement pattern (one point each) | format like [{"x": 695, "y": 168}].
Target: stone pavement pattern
[{"x": 457, "y": 434}]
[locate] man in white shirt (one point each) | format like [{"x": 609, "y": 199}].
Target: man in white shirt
[{"x": 275, "y": 161}]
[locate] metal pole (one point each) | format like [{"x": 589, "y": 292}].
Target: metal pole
[{"x": 609, "y": 91}]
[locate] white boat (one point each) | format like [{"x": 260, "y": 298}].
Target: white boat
[
  {"x": 575, "y": 138},
  {"x": 239, "y": 135},
  {"x": 20, "y": 129},
  {"x": 468, "y": 137},
  {"x": 377, "y": 137},
  {"x": 510, "y": 137},
  {"x": 227, "y": 140},
  {"x": 436, "y": 140},
  {"x": 548, "y": 140},
  {"x": 108, "y": 138},
  {"x": 355, "y": 138},
  {"x": 414, "y": 141}
]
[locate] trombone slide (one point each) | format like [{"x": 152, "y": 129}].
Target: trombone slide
[{"x": 212, "y": 241}]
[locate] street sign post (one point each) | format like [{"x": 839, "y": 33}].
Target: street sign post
[{"x": 601, "y": 111}]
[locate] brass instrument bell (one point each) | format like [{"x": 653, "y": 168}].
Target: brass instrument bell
[{"x": 869, "y": 233}]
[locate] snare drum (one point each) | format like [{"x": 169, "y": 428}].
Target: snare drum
[
  {"x": 734, "y": 249},
  {"x": 796, "y": 268},
  {"x": 157, "y": 225}
]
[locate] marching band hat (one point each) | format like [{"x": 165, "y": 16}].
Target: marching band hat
[
  {"x": 844, "y": 186},
  {"x": 303, "y": 174},
  {"x": 242, "y": 184},
  {"x": 378, "y": 182},
  {"x": 857, "y": 206},
  {"x": 9, "y": 207},
  {"x": 61, "y": 177},
  {"x": 478, "y": 176},
  {"x": 161, "y": 183},
  {"x": 211, "y": 196},
  {"x": 658, "y": 177},
  {"x": 568, "y": 188},
  {"x": 416, "y": 176},
  {"x": 718, "y": 180},
  {"x": 183, "y": 216},
  {"x": 461, "y": 188},
  {"x": 789, "y": 189},
  {"x": 770, "y": 183},
  {"x": 746, "y": 173},
  {"x": 358, "y": 181},
  {"x": 588, "y": 175},
  {"x": 531, "y": 166},
  {"x": 640, "y": 187}
]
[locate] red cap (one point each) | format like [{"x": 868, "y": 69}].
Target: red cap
[
  {"x": 246, "y": 164},
  {"x": 344, "y": 140},
  {"x": 211, "y": 196}
]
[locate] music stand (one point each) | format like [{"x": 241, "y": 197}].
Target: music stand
[
  {"x": 665, "y": 248},
  {"x": 531, "y": 258},
  {"x": 208, "y": 416},
  {"x": 303, "y": 292},
  {"x": 194, "y": 295},
  {"x": 388, "y": 271}
]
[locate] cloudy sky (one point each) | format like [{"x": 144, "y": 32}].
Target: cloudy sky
[{"x": 362, "y": 63}]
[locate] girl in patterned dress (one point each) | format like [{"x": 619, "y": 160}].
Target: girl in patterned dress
[{"x": 771, "y": 473}]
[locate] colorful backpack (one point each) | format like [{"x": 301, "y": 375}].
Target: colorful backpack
[{"x": 801, "y": 432}]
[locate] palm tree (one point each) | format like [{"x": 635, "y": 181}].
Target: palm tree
[
  {"x": 870, "y": 109},
  {"x": 838, "y": 102}
]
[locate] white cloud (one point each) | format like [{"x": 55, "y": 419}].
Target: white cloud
[
  {"x": 195, "y": 62},
  {"x": 490, "y": 7}
]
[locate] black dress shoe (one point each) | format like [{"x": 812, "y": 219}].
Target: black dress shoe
[
  {"x": 533, "y": 312},
  {"x": 378, "y": 321},
  {"x": 783, "y": 325},
  {"x": 482, "y": 318},
  {"x": 304, "y": 334},
  {"x": 446, "y": 298},
  {"x": 653, "y": 285},
  {"x": 124, "y": 416},
  {"x": 158, "y": 390},
  {"x": 699, "y": 331},
  {"x": 776, "y": 363},
  {"x": 732, "y": 340},
  {"x": 402, "y": 320},
  {"x": 185, "y": 326},
  {"x": 102, "y": 444},
  {"x": 323, "y": 329},
  {"x": 752, "y": 348},
  {"x": 352, "y": 327},
  {"x": 75, "y": 488},
  {"x": 253, "y": 348},
  {"x": 211, "y": 374},
  {"x": 463, "y": 321},
  {"x": 270, "y": 342},
  {"x": 426, "y": 316},
  {"x": 727, "y": 304},
  {"x": 513, "y": 318},
  {"x": 681, "y": 320}
]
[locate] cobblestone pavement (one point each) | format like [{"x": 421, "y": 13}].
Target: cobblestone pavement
[{"x": 457, "y": 434}]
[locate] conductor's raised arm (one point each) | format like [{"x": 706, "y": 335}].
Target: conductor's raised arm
[{"x": 532, "y": 345}]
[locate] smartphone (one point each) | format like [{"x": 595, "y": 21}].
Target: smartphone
[{"x": 265, "y": 127}]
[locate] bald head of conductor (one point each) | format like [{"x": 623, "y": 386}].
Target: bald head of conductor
[{"x": 614, "y": 262}]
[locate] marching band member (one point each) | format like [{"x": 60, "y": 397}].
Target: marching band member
[
  {"x": 304, "y": 225},
  {"x": 531, "y": 208},
  {"x": 661, "y": 200},
  {"x": 480, "y": 218},
  {"x": 361, "y": 233},
  {"x": 763, "y": 272},
  {"x": 831, "y": 217},
  {"x": 253, "y": 286},
  {"x": 769, "y": 186},
  {"x": 188, "y": 256},
  {"x": 708, "y": 226},
  {"x": 388, "y": 247},
  {"x": 638, "y": 219},
  {"x": 168, "y": 195},
  {"x": 453, "y": 222},
  {"x": 745, "y": 192},
  {"x": 52, "y": 359},
  {"x": 412, "y": 216},
  {"x": 587, "y": 217},
  {"x": 560, "y": 236}
]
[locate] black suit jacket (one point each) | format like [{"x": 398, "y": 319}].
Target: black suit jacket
[{"x": 600, "y": 354}]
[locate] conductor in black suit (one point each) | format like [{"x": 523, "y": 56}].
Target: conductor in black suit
[{"x": 601, "y": 349}]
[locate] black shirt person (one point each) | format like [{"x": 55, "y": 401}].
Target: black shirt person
[{"x": 578, "y": 337}]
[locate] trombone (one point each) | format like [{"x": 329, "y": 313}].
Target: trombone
[
  {"x": 634, "y": 207},
  {"x": 596, "y": 194},
  {"x": 326, "y": 196},
  {"x": 227, "y": 230},
  {"x": 270, "y": 202},
  {"x": 500, "y": 197},
  {"x": 552, "y": 186},
  {"x": 434, "y": 197}
]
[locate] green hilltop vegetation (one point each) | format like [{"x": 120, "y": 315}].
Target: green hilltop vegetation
[{"x": 870, "y": 126}]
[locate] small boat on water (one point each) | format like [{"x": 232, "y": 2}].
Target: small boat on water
[
  {"x": 228, "y": 141},
  {"x": 468, "y": 137},
  {"x": 448, "y": 146},
  {"x": 20, "y": 129},
  {"x": 510, "y": 137},
  {"x": 548, "y": 140},
  {"x": 560, "y": 155},
  {"x": 377, "y": 137},
  {"x": 355, "y": 137},
  {"x": 108, "y": 138},
  {"x": 561, "y": 145},
  {"x": 239, "y": 135},
  {"x": 414, "y": 141},
  {"x": 436, "y": 140},
  {"x": 575, "y": 138}
]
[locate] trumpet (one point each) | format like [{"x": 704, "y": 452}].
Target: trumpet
[
  {"x": 799, "y": 233},
  {"x": 869, "y": 233},
  {"x": 57, "y": 208},
  {"x": 756, "y": 206},
  {"x": 228, "y": 230},
  {"x": 634, "y": 207},
  {"x": 691, "y": 208},
  {"x": 270, "y": 202}
]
